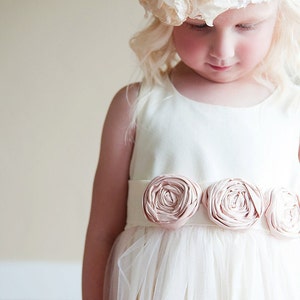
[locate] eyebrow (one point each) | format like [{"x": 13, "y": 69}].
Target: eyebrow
[
  {"x": 260, "y": 16},
  {"x": 253, "y": 19},
  {"x": 257, "y": 20}
]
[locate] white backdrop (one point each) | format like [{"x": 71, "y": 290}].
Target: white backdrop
[{"x": 61, "y": 62}]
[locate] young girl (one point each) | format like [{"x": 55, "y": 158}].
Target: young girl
[{"x": 198, "y": 183}]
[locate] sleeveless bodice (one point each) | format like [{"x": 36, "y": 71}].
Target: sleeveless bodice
[{"x": 176, "y": 135}]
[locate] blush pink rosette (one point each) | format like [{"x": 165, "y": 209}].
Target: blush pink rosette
[
  {"x": 170, "y": 200},
  {"x": 233, "y": 203},
  {"x": 283, "y": 213}
]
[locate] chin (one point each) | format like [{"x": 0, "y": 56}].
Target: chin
[
  {"x": 226, "y": 78},
  {"x": 222, "y": 80}
]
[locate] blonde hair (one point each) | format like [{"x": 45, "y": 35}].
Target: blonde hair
[
  {"x": 155, "y": 50},
  {"x": 282, "y": 64},
  {"x": 157, "y": 55}
]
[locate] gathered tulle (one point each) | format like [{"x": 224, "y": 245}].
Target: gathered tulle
[{"x": 202, "y": 262}]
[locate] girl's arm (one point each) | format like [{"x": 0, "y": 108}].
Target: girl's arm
[{"x": 108, "y": 209}]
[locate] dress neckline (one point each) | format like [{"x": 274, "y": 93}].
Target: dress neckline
[{"x": 265, "y": 101}]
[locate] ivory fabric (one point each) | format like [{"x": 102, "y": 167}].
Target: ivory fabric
[
  {"x": 176, "y": 12},
  {"x": 208, "y": 143}
]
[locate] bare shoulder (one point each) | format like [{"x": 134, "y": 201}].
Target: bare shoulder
[
  {"x": 118, "y": 120},
  {"x": 119, "y": 115},
  {"x": 125, "y": 97},
  {"x": 128, "y": 92}
]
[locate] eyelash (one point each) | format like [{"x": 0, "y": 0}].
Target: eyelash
[
  {"x": 198, "y": 27},
  {"x": 246, "y": 27},
  {"x": 201, "y": 27}
]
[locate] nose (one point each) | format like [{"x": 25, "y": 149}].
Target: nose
[{"x": 222, "y": 46}]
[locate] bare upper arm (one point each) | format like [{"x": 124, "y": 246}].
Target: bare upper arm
[{"x": 108, "y": 211}]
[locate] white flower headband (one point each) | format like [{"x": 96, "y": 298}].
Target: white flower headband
[{"x": 175, "y": 12}]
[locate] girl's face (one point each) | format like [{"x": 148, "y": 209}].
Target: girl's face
[{"x": 232, "y": 48}]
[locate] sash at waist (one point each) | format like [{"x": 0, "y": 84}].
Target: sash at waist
[{"x": 136, "y": 217}]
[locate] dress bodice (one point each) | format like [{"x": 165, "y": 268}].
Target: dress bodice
[
  {"x": 184, "y": 239},
  {"x": 177, "y": 135}
]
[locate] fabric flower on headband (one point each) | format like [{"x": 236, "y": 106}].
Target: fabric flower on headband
[
  {"x": 175, "y": 12},
  {"x": 169, "y": 201}
]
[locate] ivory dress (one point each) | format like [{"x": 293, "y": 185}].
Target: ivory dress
[{"x": 250, "y": 254}]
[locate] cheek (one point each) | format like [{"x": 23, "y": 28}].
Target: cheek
[
  {"x": 259, "y": 45},
  {"x": 187, "y": 46},
  {"x": 254, "y": 52},
  {"x": 180, "y": 41}
]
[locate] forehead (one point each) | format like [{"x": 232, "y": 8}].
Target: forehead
[{"x": 250, "y": 13}]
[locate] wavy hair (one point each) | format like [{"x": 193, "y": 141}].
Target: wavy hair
[
  {"x": 282, "y": 64},
  {"x": 155, "y": 50},
  {"x": 157, "y": 55}
]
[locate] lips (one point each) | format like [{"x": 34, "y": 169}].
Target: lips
[{"x": 220, "y": 68}]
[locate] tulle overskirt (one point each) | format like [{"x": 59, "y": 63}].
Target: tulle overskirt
[{"x": 202, "y": 263}]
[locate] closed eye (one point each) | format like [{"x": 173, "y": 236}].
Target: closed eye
[
  {"x": 198, "y": 27},
  {"x": 246, "y": 27}
]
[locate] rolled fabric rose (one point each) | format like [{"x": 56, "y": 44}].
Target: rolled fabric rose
[
  {"x": 233, "y": 203},
  {"x": 175, "y": 12},
  {"x": 170, "y": 200},
  {"x": 283, "y": 213},
  {"x": 169, "y": 12}
]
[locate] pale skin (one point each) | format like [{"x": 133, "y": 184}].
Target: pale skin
[
  {"x": 224, "y": 56},
  {"x": 108, "y": 211}
]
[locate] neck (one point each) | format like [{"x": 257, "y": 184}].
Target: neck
[{"x": 242, "y": 92}]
